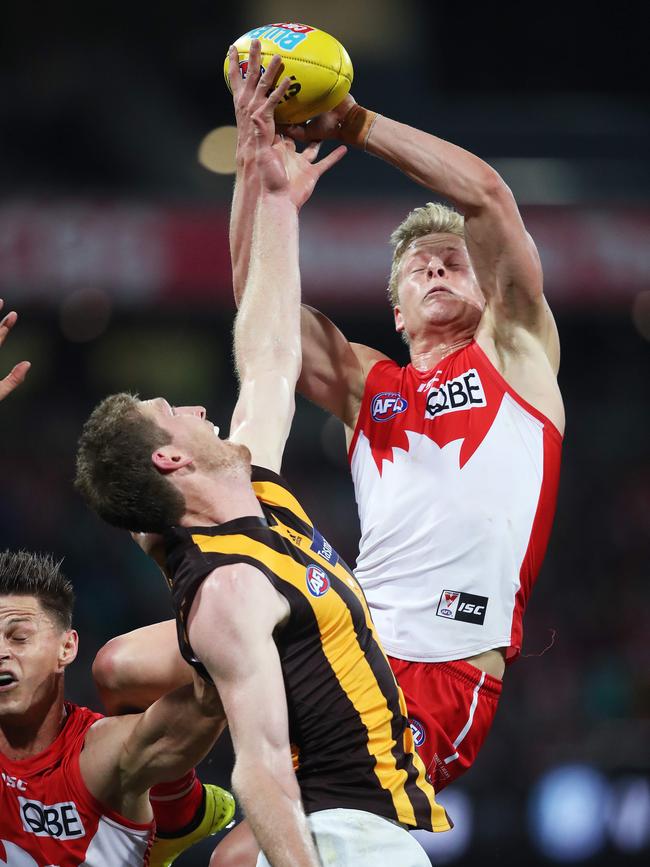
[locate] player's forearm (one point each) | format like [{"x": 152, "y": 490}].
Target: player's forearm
[
  {"x": 454, "y": 173},
  {"x": 267, "y": 330},
  {"x": 274, "y": 810},
  {"x": 173, "y": 735},
  {"x": 242, "y": 215}
]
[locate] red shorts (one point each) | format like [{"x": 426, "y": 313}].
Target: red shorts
[{"x": 451, "y": 706}]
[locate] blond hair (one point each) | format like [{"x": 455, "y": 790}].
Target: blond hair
[{"x": 431, "y": 218}]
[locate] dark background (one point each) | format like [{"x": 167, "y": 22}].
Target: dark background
[{"x": 103, "y": 105}]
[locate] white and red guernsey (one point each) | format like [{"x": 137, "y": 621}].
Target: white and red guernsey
[
  {"x": 48, "y": 818},
  {"x": 456, "y": 481}
]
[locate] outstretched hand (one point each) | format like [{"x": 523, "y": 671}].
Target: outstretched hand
[
  {"x": 280, "y": 167},
  {"x": 323, "y": 127},
  {"x": 19, "y": 372},
  {"x": 249, "y": 91}
]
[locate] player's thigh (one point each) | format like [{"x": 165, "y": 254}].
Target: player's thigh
[
  {"x": 355, "y": 838},
  {"x": 135, "y": 669},
  {"x": 237, "y": 849}
]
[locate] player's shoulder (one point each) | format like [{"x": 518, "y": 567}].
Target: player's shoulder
[
  {"x": 109, "y": 731},
  {"x": 368, "y": 357},
  {"x": 104, "y": 750}
]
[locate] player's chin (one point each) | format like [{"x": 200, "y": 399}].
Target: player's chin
[{"x": 13, "y": 703}]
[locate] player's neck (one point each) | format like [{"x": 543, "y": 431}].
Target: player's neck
[
  {"x": 215, "y": 502},
  {"x": 426, "y": 354},
  {"x": 34, "y": 731}
]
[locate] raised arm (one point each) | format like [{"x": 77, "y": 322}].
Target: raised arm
[
  {"x": 333, "y": 370},
  {"x": 231, "y": 627},
  {"x": 502, "y": 252},
  {"x": 19, "y": 371},
  {"x": 267, "y": 330}
]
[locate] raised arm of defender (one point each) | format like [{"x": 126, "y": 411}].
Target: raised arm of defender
[
  {"x": 267, "y": 330},
  {"x": 334, "y": 370}
]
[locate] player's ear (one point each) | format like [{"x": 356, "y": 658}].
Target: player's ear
[
  {"x": 399, "y": 319},
  {"x": 167, "y": 459},
  {"x": 68, "y": 648}
]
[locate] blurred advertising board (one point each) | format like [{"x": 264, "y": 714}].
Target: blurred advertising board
[{"x": 144, "y": 254}]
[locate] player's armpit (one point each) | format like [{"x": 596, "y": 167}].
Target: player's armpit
[{"x": 334, "y": 370}]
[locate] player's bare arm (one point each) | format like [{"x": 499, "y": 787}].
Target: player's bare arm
[
  {"x": 19, "y": 371},
  {"x": 124, "y": 756},
  {"x": 333, "y": 370},
  {"x": 267, "y": 330},
  {"x": 134, "y": 670},
  {"x": 517, "y": 331},
  {"x": 231, "y": 627}
]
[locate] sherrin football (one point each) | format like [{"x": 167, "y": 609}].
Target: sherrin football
[{"x": 318, "y": 65}]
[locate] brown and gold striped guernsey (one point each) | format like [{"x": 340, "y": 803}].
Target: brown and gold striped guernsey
[{"x": 347, "y": 717}]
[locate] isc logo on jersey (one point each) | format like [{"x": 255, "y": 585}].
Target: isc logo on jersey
[
  {"x": 318, "y": 582},
  {"x": 13, "y": 782},
  {"x": 61, "y": 821},
  {"x": 462, "y": 392},
  {"x": 387, "y": 405},
  {"x": 467, "y": 607}
]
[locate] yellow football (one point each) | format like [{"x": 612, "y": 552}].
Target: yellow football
[{"x": 318, "y": 65}]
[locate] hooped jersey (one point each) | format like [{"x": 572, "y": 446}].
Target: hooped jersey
[
  {"x": 347, "y": 717},
  {"x": 48, "y": 818},
  {"x": 456, "y": 479}
]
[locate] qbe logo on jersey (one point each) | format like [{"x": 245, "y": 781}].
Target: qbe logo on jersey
[
  {"x": 467, "y": 607},
  {"x": 318, "y": 582},
  {"x": 387, "y": 405},
  {"x": 462, "y": 392},
  {"x": 61, "y": 821}
]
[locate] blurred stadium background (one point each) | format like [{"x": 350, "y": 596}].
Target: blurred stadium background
[{"x": 113, "y": 248}]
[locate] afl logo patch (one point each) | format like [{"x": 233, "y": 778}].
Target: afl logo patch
[
  {"x": 387, "y": 405},
  {"x": 317, "y": 581},
  {"x": 419, "y": 735}
]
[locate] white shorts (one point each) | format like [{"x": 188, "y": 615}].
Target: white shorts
[{"x": 354, "y": 838}]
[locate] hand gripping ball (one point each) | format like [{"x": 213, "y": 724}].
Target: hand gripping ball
[{"x": 318, "y": 65}]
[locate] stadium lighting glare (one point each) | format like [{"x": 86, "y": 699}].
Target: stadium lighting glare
[
  {"x": 628, "y": 816},
  {"x": 567, "y": 813}
]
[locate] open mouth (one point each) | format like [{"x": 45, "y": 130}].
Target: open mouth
[{"x": 7, "y": 679}]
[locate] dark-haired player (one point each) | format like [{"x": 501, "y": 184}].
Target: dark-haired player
[
  {"x": 264, "y": 605},
  {"x": 185, "y": 810},
  {"x": 74, "y": 786}
]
